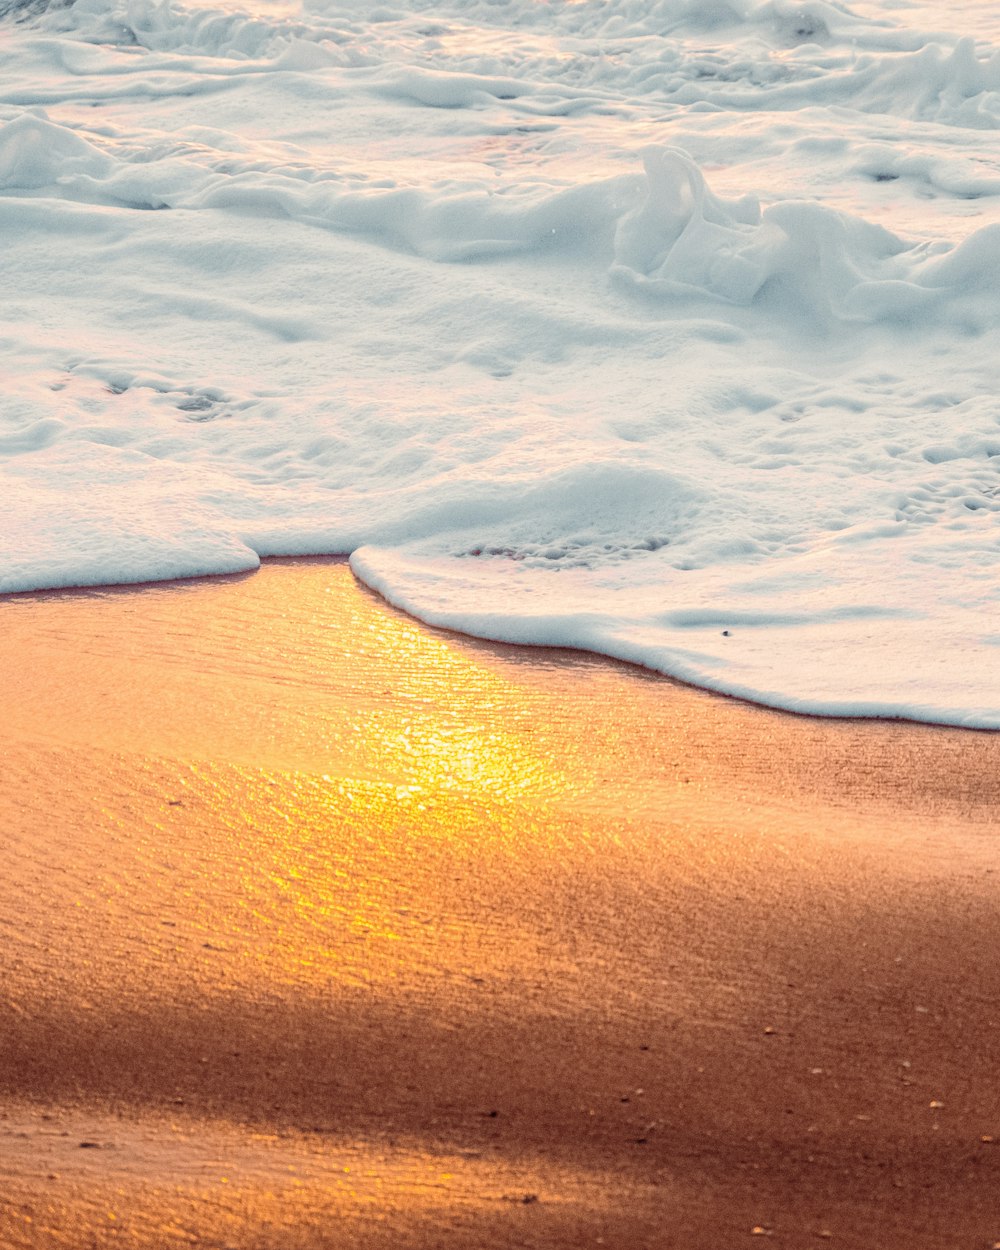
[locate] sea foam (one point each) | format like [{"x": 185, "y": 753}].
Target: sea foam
[{"x": 665, "y": 330}]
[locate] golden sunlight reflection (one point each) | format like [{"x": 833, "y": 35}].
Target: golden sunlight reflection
[
  {"x": 277, "y": 856},
  {"x": 466, "y": 743},
  {"x": 335, "y": 798}
]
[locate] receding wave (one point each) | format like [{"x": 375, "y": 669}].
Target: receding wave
[{"x": 665, "y": 330}]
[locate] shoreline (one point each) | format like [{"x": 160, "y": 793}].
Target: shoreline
[
  {"x": 544, "y": 949},
  {"x": 177, "y": 583}
]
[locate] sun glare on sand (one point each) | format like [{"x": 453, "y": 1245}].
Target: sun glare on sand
[
  {"x": 325, "y": 785},
  {"x": 337, "y": 802},
  {"x": 321, "y": 914}
]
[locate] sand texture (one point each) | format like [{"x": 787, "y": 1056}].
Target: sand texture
[{"x": 319, "y": 928}]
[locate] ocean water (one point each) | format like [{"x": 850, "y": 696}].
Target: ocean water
[{"x": 668, "y": 329}]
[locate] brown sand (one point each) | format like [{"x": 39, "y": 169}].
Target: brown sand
[{"x": 322, "y": 929}]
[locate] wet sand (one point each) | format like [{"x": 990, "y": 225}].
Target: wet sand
[{"x": 319, "y": 928}]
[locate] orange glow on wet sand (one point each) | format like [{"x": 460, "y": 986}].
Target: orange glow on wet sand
[{"x": 312, "y": 914}]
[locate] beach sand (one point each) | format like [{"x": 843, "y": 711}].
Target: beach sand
[{"x": 319, "y": 928}]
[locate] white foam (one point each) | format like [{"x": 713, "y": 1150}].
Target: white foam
[{"x": 668, "y": 330}]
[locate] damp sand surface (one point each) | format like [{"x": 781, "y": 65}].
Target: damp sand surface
[{"x": 319, "y": 928}]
